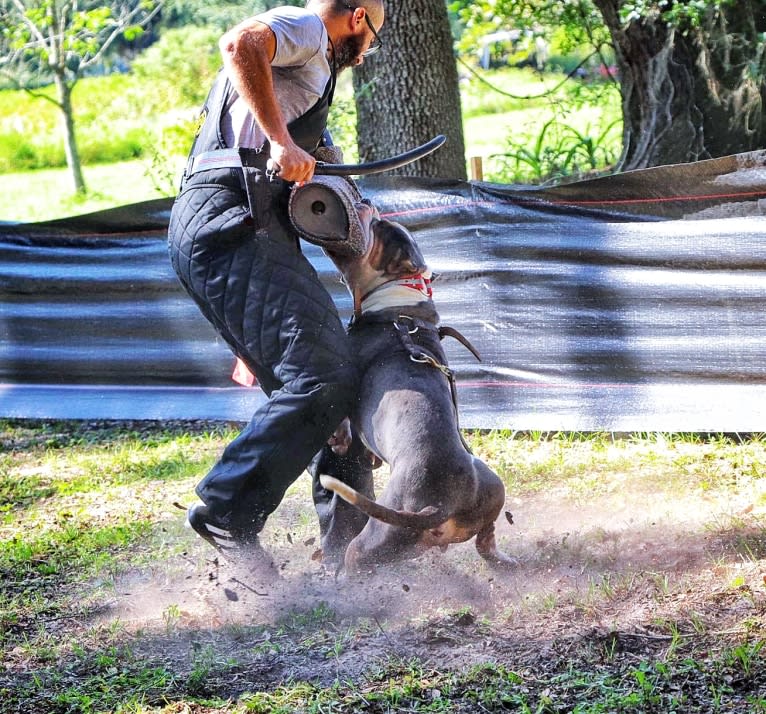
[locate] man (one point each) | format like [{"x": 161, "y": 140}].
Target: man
[{"x": 235, "y": 252}]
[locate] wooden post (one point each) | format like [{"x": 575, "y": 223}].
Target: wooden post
[{"x": 477, "y": 172}]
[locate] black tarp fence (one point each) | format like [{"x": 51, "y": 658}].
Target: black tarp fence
[{"x": 634, "y": 302}]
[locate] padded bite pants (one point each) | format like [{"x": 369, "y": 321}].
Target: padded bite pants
[{"x": 235, "y": 254}]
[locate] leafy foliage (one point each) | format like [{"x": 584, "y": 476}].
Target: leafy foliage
[
  {"x": 179, "y": 68},
  {"x": 65, "y": 39},
  {"x": 573, "y": 23},
  {"x": 216, "y": 14},
  {"x": 559, "y": 151},
  {"x": 676, "y": 14}
]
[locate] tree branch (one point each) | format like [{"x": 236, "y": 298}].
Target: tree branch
[
  {"x": 122, "y": 23},
  {"x": 30, "y": 92}
]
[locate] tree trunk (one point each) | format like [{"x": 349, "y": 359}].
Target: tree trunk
[
  {"x": 70, "y": 141},
  {"x": 408, "y": 92},
  {"x": 689, "y": 94}
]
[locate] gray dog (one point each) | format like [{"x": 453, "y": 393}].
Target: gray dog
[{"x": 438, "y": 492}]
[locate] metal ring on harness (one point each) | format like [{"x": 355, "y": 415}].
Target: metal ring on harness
[
  {"x": 423, "y": 358},
  {"x": 411, "y": 319}
]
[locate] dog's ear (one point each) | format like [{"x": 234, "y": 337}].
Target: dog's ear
[{"x": 395, "y": 252}]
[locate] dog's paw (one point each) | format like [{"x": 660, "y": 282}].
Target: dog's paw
[{"x": 500, "y": 561}]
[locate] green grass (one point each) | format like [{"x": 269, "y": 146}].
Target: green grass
[
  {"x": 109, "y": 682},
  {"x": 111, "y": 120},
  {"x": 133, "y": 142},
  {"x": 84, "y": 504},
  {"x": 588, "y": 464},
  {"x": 496, "y": 125},
  {"x": 45, "y": 194}
]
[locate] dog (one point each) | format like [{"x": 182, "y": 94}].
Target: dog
[{"x": 438, "y": 492}]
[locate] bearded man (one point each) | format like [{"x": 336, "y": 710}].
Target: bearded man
[{"x": 236, "y": 254}]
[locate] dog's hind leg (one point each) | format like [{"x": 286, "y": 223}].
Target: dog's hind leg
[
  {"x": 491, "y": 494},
  {"x": 340, "y": 522},
  {"x": 487, "y": 548}
]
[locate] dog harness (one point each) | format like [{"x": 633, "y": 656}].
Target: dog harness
[{"x": 414, "y": 334}]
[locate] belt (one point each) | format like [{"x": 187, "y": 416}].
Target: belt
[{"x": 226, "y": 159}]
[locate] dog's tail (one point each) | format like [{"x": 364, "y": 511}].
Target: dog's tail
[{"x": 429, "y": 517}]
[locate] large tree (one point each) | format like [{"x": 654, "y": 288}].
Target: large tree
[
  {"x": 692, "y": 78},
  {"x": 692, "y": 73},
  {"x": 60, "y": 40},
  {"x": 408, "y": 93}
]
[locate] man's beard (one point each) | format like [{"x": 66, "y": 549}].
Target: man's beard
[{"x": 347, "y": 51}]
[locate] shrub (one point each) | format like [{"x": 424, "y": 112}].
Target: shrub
[
  {"x": 180, "y": 67},
  {"x": 20, "y": 152},
  {"x": 558, "y": 151},
  {"x": 109, "y": 148}
]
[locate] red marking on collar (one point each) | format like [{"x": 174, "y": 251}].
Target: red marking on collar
[{"x": 417, "y": 282}]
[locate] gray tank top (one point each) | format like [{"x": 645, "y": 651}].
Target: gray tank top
[{"x": 300, "y": 69}]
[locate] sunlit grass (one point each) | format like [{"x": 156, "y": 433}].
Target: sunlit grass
[
  {"x": 82, "y": 504},
  {"x": 589, "y": 464},
  {"x": 28, "y": 196}
]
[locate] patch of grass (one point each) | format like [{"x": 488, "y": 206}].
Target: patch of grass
[
  {"x": 111, "y": 679},
  {"x": 572, "y": 131},
  {"x": 583, "y": 687},
  {"x": 593, "y": 463},
  {"x": 79, "y": 504},
  {"x": 84, "y": 502},
  {"x": 22, "y": 490},
  {"x": 30, "y": 127},
  {"x": 29, "y": 196},
  {"x": 68, "y": 547}
]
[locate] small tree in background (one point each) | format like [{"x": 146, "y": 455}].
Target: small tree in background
[{"x": 61, "y": 40}]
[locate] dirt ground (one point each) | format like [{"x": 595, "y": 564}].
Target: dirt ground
[{"x": 628, "y": 574}]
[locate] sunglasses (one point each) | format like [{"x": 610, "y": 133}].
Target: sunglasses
[{"x": 376, "y": 43}]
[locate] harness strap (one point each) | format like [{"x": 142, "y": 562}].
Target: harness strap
[
  {"x": 446, "y": 331},
  {"x": 422, "y": 356}
]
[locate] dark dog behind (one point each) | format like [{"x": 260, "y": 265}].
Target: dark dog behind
[{"x": 438, "y": 492}]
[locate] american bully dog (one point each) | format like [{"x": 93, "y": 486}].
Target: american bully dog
[{"x": 438, "y": 492}]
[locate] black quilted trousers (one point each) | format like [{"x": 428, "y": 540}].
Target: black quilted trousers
[{"x": 265, "y": 299}]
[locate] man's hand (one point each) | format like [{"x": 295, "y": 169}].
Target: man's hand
[{"x": 293, "y": 163}]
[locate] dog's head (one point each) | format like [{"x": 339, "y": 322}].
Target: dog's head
[{"x": 391, "y": 253}]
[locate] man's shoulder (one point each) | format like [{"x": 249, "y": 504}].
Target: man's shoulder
[
  {"x": 300, "y": 34},
  {"x": 292, "y": 16}
]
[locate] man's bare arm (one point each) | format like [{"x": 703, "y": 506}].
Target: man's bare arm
[{"x": 247, "y": 51}]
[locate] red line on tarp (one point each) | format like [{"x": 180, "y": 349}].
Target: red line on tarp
[
  {"x": 552, "y": 385},
  {"x": 579, "y": 202}
]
